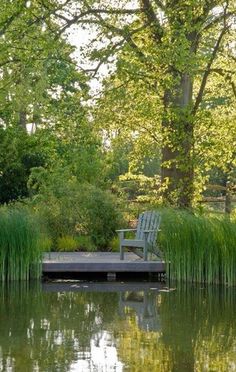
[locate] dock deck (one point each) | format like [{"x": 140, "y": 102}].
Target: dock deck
[{"x": 98, "y": 262}]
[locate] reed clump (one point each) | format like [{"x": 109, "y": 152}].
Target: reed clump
[
  {"x": 20, "y": 254},
  {"x": 199, "y": 248}
]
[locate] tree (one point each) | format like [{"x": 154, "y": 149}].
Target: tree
[
  {"x": 39, "y": 87},
  {"x": 174, "y": 47},
  {"x": 37, "y": 71},
  {"x": 19, "y": 152}
]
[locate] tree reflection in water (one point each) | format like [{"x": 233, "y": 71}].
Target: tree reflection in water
[
  {"x": 199, "y": 326},
  {"x": 185, "y": 330}
]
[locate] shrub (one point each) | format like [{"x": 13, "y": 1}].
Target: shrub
[
  {"x": 99, "y": 215},
  {"x": 115, "y": 244},
  {"x": 84, "y": 243},
  {"x": 69, "y": 208},
  {"x": 66, "y": 244}
]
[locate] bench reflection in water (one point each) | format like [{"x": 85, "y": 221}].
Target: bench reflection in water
[{"x": 144, "y": 303}]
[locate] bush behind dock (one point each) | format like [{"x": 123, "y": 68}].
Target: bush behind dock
[{"x": 77, "y": 211}]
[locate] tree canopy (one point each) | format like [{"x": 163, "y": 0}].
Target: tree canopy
[
  {"x": 180, "y": 57},
  {"x": 167, "y": 102}
]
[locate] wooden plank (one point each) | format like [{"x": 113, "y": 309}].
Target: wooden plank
[
  {"x": 215, "y": 199},
  {"x": 215, "y": 187},
  {"x": 137, "y": 251},
  {"x": 92, "y": 267},
  {"x": 139, "y": 227},
  {"x": 220, "y": 187},
  {"x": 133, "y": 243},
  {"x": 98, "y": 262}
]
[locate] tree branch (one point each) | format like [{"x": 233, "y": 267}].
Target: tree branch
[
  {"x": 233, "y": 88},
  {"x": 151, "y": 134},
  {"x": 124, "y": 33},
  {"x": 159, "y": 4},
  {"x": 227, "y": 74},
  {"x": 13, "y": 60},
  {"x": 207, "y": 71},
  {"x": 113, "y": 89},
  {"x": 152, "y": 19},
  {"x": 217, "y": 20},
  {"x": 103, "y": 60},
  {"x": 91, "y": 11}
]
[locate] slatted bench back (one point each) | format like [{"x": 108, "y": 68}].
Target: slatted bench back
[{"x": 148, "y": 221}]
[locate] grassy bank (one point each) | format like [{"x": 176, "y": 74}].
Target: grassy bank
[
  {"x": 200, "y": 248},
  {"x": 20, "y": 255}
]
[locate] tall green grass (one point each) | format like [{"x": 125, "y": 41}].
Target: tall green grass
[
  {"x": 20, "y": 256},
  {"x": 199, "y": 248}
]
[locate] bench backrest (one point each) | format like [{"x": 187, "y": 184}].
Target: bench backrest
[{"x": 148, "y": 221}]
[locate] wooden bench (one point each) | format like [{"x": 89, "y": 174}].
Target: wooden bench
[{"x": 145, "y": 235}]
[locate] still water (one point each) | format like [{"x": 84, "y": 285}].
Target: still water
[{"x": 60, "y": 327}]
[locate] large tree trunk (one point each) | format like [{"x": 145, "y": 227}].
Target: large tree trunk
[{"x": 177, "y": 128}]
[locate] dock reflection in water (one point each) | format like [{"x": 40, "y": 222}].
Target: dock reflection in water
[{"x": 116, "y": 327}]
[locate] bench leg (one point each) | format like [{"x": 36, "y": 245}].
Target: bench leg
[
  {"x": 121, "y": 252},
  {"x": 145, "y": 253},
  {"x": 145, "y": 249},
  {"x": 121, "y": 237}
]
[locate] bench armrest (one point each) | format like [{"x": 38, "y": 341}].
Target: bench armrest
[{"x": 125, "y": 230}]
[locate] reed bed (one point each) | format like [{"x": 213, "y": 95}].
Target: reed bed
[
  {"x": 20, "y": 256},
  {"x": 199, "y": 248}
]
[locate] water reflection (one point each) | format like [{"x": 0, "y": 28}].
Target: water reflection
[
  {"x": 102, "y": 355},
  {"x": 131, "y": 327},
  {"x": 144, "y": 306}
]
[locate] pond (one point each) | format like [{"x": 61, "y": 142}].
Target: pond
[{"x": 116, "y": 327}]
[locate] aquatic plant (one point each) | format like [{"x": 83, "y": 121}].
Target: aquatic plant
[
  {"x": 20, "y": 254},
  {"x": 198, "y": 248}
]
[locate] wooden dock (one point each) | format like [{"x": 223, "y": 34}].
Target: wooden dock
[{"x": 98, "y": 262}]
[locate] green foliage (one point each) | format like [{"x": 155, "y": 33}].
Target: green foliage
[
  {"x": 140, "y": 188},
  {"x": 18, "y": 154},
  {"x": 56, "y": 202},
  {"x": 173, "y": 90},
  {"x": 20, "y": 253},
  {"x": 41, "y": 90},
  {"x": 67, "y": 207},
  {"x": 159, "y": 124},
  {"x": 115, "y": 244},
  {"x": 66, "y": 244},
  {"x": 39, "y": 79},
  {"x": 117, "y": 157},
  {"x": 99, "y": 215},
  {"x": 199, "y": 248},
  {"x": 45, "y": 242},
  {"x": 85, "y": 243}
]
